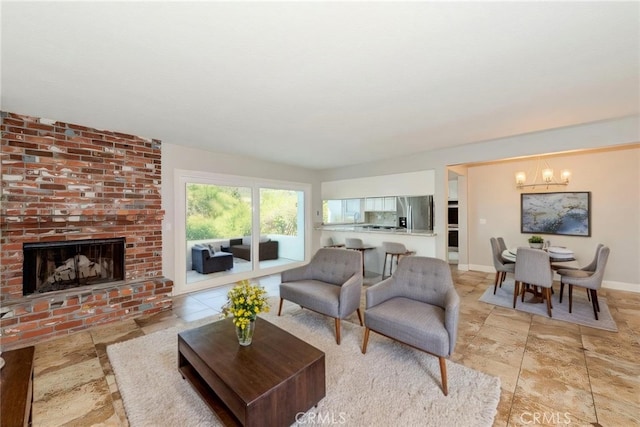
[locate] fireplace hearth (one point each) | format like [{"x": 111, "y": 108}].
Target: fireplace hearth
[{"x": 55, "y": 266}]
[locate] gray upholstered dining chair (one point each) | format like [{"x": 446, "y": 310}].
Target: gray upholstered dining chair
[
  {"x": 502, "y": 267},
  {"x": 502, "y": 245},
  {"x": 417, "y": 306},
  {"x": 589, "y": 267},
  {"x": 591, "y": 280},
  {"x": 533, "y": 269}
]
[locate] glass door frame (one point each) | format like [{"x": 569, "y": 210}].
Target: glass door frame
[{"x": 182, "y": 177}]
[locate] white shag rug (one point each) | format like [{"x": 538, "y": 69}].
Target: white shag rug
[
  {"x": 392, "y": 384},
  {"x": 581, "y": 311}
]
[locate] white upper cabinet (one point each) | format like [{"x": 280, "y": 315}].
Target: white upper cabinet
[{"x": 380, "y": 204}]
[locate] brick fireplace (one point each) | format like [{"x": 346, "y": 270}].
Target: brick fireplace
[{"x": 62, "y": 183}]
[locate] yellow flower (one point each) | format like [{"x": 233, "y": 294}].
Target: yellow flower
[{"x": 244, "y": 302}]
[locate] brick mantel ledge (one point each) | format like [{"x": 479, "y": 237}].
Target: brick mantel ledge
[{"x": 36, "y": 317}]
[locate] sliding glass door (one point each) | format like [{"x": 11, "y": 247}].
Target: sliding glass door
[{"x": 235, "y": 228}]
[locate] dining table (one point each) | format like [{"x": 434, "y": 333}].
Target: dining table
[{"x": 556, "y": 254}]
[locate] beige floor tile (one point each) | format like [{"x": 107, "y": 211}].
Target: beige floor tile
[
  {"x": 508, "y": 374},
  {"x": 530, "y": 412},
  {"x": 559, "y": 362},
  {"x": 614, "y": 377},
  {"x": 619, "y": 346},
  {"x": 62, "y": 352},
  {"x": 552, "y": 393},
  {"x": 61, "y": 380},
  {"x": 509, "y": 319},
  {"x": 116, "y": 332},
  {"x": 497, "y": 343},
  {"x": 504, "y": 409},
  {"x": 70, "y": 406},
  {"x": 613, "y": 412}
]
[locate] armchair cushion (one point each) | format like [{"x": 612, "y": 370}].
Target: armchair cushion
[{"x": 412, "y": 322}]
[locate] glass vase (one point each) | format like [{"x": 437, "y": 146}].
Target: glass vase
[{"x": 246, "y": 335}]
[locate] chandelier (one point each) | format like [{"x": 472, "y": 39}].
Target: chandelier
[{"x": 543, "y": 177}]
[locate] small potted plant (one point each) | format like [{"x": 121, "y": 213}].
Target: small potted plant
[{"x": 536, "y": 242}]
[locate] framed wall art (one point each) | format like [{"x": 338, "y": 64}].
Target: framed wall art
[{"x": 561, "y": 213}]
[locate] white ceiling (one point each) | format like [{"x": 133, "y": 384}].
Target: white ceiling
[{"x": 321, "y": 84}]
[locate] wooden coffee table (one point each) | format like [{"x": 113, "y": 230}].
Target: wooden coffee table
[{"x": 267, "y": 383}]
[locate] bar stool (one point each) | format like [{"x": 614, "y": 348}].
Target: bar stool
[
  {"x": 396, "y": 250},
  {"x": 356, "y": 244}
]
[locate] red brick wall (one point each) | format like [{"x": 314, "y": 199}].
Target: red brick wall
[{"x": 62, "y": 181}]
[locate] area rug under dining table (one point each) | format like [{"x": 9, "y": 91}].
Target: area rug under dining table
[
  {"x": 391, "y": 384},
  {"x": 582, "y": 311}
]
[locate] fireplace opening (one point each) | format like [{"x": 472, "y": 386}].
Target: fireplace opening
[{"x": 54, "y": 266}]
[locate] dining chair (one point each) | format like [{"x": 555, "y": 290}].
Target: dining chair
[
  {"x": 589, "y": 267},
  {"x": 591, "y": 280},
  {"x": 503, "y": 247},
  {"x": 502, "y": 267},
  {"x": 533, "y": 269}
]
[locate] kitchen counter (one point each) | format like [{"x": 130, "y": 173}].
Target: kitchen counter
[
  {"x": 422, "y": 242},
  {"x": 382, "y": 229}
]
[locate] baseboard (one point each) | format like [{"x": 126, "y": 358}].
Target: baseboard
[
  {"x": 621, "y": 286},
  {"x": 606, "y": 284},
  {"x": 463, "y": 267},
  {"x": 483, "y": 268}
]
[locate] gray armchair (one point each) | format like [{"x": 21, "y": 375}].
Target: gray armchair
[
  {"x": 417, "y": 306},
  {"x": 591, "y": 280},
  {"x": 331, "y": 284}
]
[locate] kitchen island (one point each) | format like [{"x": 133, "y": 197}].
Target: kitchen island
[{"x": 422, "y": 242}]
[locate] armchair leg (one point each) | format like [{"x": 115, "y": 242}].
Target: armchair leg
[
  {"x": 495, "y": 282},
  {"x": 366, "y": 340},
  {"x": 280, "y": 308},
  {"x": 338, "y": 331},
  {"x": 443, "y": 374},
  {"x": 561, "y": 291},
  {"x": 359, "y": 317}
]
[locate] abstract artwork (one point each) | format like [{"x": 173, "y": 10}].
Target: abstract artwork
[{"x": 566, "y": 213}]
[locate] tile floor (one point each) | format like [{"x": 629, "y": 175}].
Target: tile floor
[{"x": 552, "y": 373}]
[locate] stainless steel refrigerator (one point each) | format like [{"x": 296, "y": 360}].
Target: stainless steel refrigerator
[{"x": 415, "y": 212}]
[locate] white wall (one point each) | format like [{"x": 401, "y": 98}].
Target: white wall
[
  {"x": 405, "y": 184},
  {"x": 612, "y": 177}
]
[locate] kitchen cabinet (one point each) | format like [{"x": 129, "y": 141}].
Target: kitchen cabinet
[
  {"x": 380, "y": 204},
  {"x": 389, "y": 204}
]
